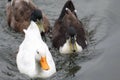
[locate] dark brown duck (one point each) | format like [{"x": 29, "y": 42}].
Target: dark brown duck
[
  {"x": 68, "y": 32},
  {"x": 19, "y": 14}
]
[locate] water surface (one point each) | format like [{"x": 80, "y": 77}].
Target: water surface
[{"x": 100, "y": 61}]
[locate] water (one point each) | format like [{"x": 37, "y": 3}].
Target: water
[{"x": 100, "y": 61}]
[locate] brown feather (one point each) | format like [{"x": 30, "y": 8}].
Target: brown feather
[
  {"x": 18, "y": 15},
  {"x": 61, "y": 25}
]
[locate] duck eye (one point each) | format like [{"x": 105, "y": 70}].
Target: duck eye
[
  {"x": 37, "y": 52},
  {"x": 67, "y": 36}
]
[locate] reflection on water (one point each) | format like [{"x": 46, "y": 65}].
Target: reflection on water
[{"x": 67, "y": 65}]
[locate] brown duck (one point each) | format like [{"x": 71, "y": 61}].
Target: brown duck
[
  {"x": 20, "y": 12},
  {"x": 68, "y": 32}
]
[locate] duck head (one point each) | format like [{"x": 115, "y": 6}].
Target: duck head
[
  {"x": 70, "y": 45},
  {"x": 37, "y": 17},
  {"x": 71, "y": 38},
  {"x": 41, "y": 58}
]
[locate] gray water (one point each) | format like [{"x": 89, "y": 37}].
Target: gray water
[{"x": 100, "y": 61}]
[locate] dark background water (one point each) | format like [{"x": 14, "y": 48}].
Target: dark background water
[{"x": 100, "y": 61}]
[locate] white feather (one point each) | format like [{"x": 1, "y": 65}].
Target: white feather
[
  {"x": 75, "y": 11},
  {"x": 66, "y": 9},
  {"x": 26, "y": 57},
  {"x": 65, "y": 49}
]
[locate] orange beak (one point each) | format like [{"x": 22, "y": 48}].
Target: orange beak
[{"x": 44, "y": 64}]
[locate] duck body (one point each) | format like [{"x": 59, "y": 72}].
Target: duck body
[
  {"x": 68, "y": 32},
  {"x": 28, "y": 59},
  {"x": 18, "y": 14}
]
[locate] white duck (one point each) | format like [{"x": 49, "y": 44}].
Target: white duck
[{"x": 34, "y": 58}]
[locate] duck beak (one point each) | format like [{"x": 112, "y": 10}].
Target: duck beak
[
  {"x": 44, "y": 64},
  {"x": 40, "y": 25},
  {"x": 73, "y": 46}
]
